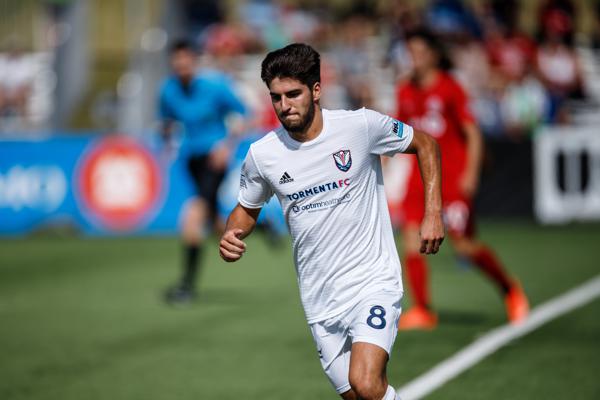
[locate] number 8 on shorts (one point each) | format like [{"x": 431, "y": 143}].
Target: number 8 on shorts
[{"x": 376, "y": 318}]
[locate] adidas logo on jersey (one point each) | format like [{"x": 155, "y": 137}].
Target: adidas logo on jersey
[{"x": 285, "y": 178}]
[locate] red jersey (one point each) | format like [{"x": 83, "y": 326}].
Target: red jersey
[{"x": 439, "y": 110}]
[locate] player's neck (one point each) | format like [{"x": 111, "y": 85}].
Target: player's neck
[
  {"x": 186, "y": 80},
  {"x": 428, "y": 78},
  {"x": 313, "y": 130}
]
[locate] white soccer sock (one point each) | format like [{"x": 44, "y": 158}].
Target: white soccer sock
[{"x": 390, "y": 394}]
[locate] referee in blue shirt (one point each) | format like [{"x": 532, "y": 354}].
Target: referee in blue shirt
[{"x": 200, "y": 102}]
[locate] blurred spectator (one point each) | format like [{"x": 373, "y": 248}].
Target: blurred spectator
[
  {"x": 473, "y": 71},
  {"x": 471, "y": 65},
  {"x": 510, "y": 50},
  {"x": 200, "y": 102},
  {"x": 277, "y": 25},
  {"x": 223, "y": 40},
  {"x": 352, "y": 62},
  {"x": 511, "y": 101},
  {"x": 17, "y": 73},
  {"x": 557, "y": 61},
  {"x": 262, "y": 17},
  {"x": 299, "y": 25},
  {"x": 558, "y": 15},
  {"x": 223, "y": 44},
  {"x": 450, "y": 18},
  {"x": 404, "y": 18},
  {"x": 523, "y": 106},
  {"x": 195, "y": 15}
]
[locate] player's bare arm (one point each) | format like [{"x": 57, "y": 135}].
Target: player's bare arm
[
  {"x": 474, "y": 140},
  {"x": 428, "y": 155},
  {"x": 240, "y": 224}
]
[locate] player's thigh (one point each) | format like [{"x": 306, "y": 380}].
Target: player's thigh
[
  {"x": 460, "y": 223},
  {"x": 367, "y": 363},
  {"x": 458, "y": 217}
]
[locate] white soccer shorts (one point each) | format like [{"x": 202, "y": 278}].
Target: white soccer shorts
[{"x": 372, "y": 320}]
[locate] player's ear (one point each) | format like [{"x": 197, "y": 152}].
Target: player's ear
[{"x": 316, "y": 91}]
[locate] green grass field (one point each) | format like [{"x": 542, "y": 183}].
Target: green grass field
[{"x": 83, "y": 319}]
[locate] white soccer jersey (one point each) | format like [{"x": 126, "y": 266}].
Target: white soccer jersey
[{"x": 331, "y": 192}]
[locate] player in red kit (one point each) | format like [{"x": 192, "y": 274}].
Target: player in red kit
[{"x": 435, "y": 103}]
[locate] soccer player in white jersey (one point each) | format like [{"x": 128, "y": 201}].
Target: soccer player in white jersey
[{"x": 324, "y": 167}]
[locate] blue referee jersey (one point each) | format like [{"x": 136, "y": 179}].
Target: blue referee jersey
[{"x": 201, "y": 108}]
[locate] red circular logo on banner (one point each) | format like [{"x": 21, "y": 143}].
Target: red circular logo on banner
[{"x": 120, "y": 183}]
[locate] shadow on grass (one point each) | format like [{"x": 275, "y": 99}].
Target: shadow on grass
[{"x": 214, "y": 297}]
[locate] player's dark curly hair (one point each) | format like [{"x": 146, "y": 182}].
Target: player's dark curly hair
[
  {"x": 434, "y": 43},
  {"x": 297, "y": 61}
]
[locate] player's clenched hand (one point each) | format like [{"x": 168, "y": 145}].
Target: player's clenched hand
[
  {"x": 432, "y": 233},
  {"x": 231, "y": 246}
]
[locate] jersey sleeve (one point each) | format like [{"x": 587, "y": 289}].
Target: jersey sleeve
[
  {"x": 254, "y": 189},
  {"x": 387, "y": 136}
]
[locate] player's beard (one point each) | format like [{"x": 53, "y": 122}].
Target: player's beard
[{"x": 300, "y": 126}]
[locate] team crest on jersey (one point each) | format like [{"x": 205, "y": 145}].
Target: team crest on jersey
[{"x": 343, "y": 160}]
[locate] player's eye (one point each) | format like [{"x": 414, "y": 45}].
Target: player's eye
[
  {"x": 293, "y": 93},
  {"x": 275, "y": 97}
]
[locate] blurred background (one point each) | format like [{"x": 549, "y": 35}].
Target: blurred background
[
  {"x": 90, "y": 201},
  {"x": 73, "y": 73}
]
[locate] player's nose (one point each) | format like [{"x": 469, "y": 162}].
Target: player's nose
[{"x": 285, "y": 104}]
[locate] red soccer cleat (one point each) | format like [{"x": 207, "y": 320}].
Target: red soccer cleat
[
  {"x": 417, "y": 318},
  {"x": 517, "y": 305}
]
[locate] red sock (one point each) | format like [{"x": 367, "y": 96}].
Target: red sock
[
  {"x": 489, "y": 264},
  {"x": 416, "y": 269}
]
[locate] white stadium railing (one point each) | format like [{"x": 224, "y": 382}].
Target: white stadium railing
[{"x": 567, "y": 174}]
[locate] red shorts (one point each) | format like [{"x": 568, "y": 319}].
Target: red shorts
[{"x": 457, "y": 210}]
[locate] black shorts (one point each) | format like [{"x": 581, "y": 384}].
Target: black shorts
[{"x": 206, "y": 180}]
